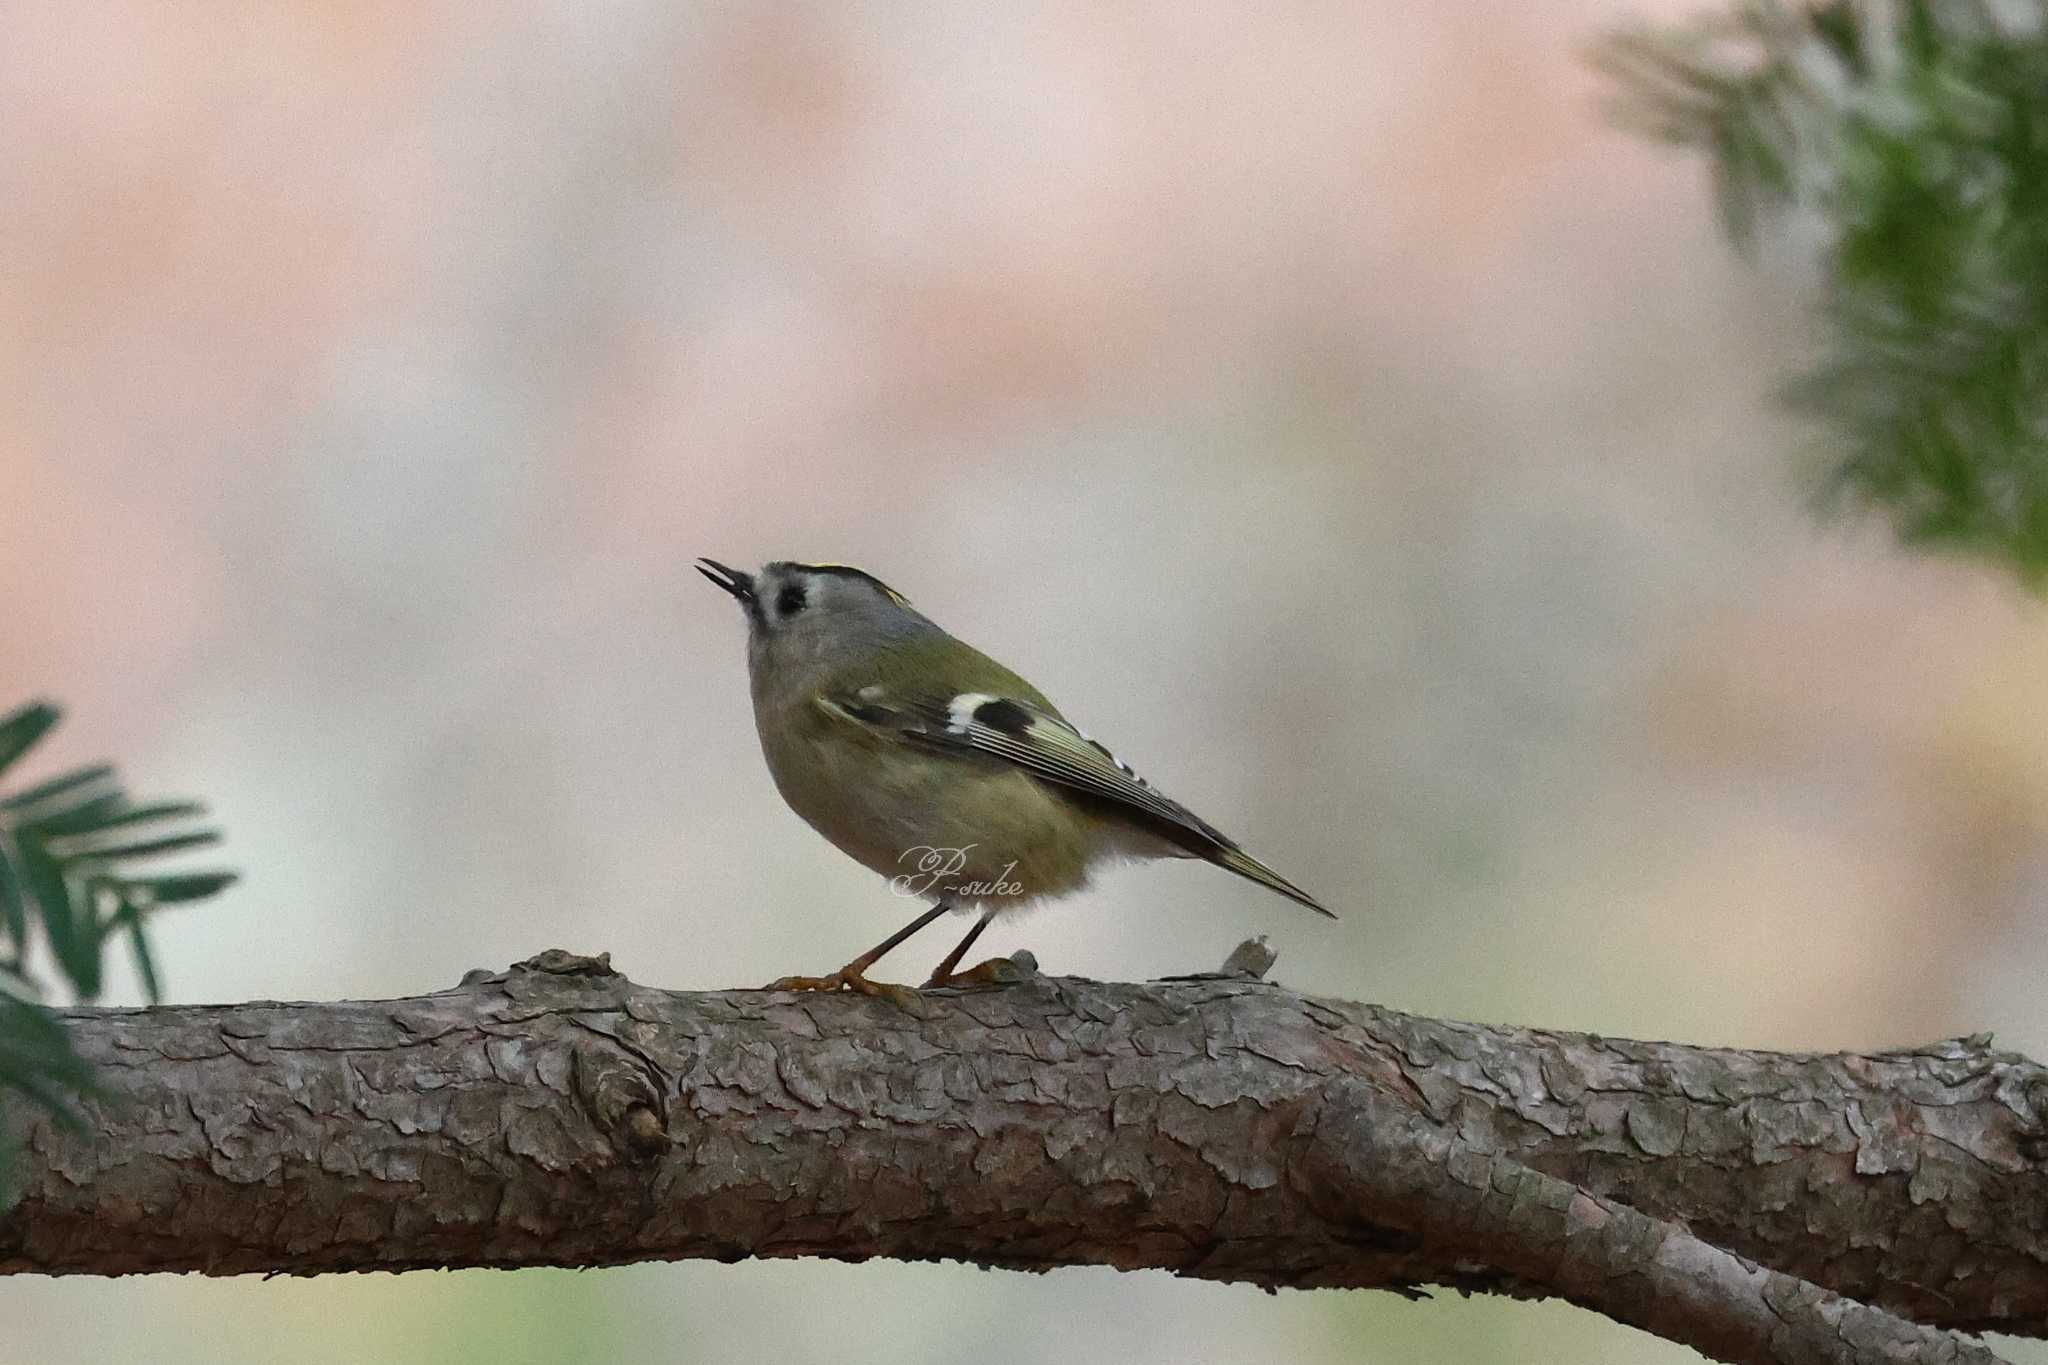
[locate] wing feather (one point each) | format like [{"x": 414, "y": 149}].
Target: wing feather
[{"x": 1047, "y": 746}]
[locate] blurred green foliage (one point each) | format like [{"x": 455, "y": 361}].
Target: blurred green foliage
[
  {"x": 68, "y": 852},
  {"x": 1913, "y": 134}
]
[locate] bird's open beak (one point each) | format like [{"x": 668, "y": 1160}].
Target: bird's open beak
[{"x": 740, "y": 585}]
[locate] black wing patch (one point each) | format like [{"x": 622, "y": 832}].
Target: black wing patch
[{"x": 1000, "y": 713}]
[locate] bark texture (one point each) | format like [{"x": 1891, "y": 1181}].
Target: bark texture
[{"x": 1761, "y": 1206}]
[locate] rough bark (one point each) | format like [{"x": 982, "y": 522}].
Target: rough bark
[{"x": 558, "y": 1114}]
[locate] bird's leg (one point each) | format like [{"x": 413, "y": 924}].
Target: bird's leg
[
  {"x": 942, "y": 975},
  {"x": 853, "y": 976}
]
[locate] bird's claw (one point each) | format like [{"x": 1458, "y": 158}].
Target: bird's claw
[{"x": 848, "y": 979}]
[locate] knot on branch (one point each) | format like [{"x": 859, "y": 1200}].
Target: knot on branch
[
  {"x": 553, "y": 962},
  {"x": 562, "y": 962},
  {"x": 623, "y": 1101}
]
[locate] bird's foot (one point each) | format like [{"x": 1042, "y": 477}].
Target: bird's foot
[
  {"x": 850, "y": 978},
  {"x": 997, "y": 971}
]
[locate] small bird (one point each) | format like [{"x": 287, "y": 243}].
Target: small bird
[{"x": 927, "y": 761}]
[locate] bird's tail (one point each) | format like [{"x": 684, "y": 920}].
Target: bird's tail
[{"x": 1234, "y": 859}]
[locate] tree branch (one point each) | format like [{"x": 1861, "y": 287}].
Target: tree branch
[{"x": 558, "y": 1114}]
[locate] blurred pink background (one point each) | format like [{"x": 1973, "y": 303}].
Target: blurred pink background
[{"x": 1323, "y": 403}]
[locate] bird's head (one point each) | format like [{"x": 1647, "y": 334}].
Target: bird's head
[{"x": 805, "y": 615}]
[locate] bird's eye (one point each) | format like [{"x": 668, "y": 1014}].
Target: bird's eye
[{"x": 790, "y": 600}]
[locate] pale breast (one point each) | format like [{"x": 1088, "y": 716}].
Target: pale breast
[{"x": 978, "y": 830}]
